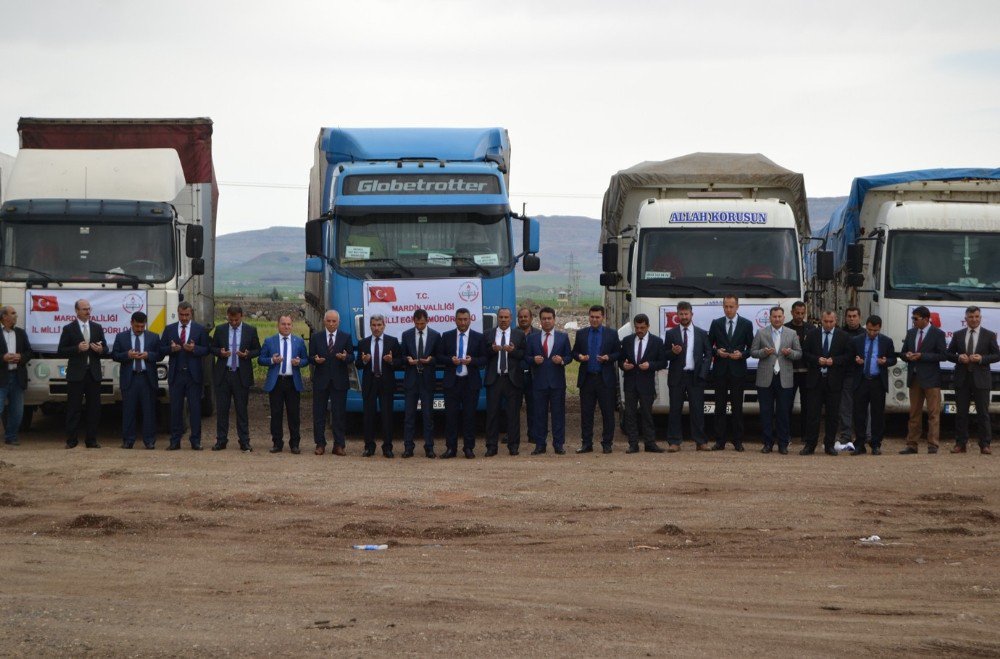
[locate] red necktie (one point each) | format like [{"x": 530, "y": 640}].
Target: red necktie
[
  {"x": 545, "y": 345},
  {"x": 920, "y": 340},
  {"x": 183, "y": 334}
]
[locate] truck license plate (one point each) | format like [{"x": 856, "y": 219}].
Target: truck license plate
[
  {"x": 438, "y": 404},
  {"x": 952, "y": 408},
  {"x": 710, "y": 408}
]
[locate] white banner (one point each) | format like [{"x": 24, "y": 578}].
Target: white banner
[
  {"x": 397, "y": 299},
  {"x": 758, "y": 314},
  {"x": 48, "y": 311},
  {"x": 951, "y": 319}
]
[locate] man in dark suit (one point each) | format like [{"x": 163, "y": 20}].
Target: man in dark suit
[
  {"x": 924, "y": 348},
  {"x": 503, "y": 383},
  {"x": 641, "y": 355},
  {"x": 689, "y": 355},
  {"x": 845, "y": 428},
  {"x": 730, "y": 337},
  {"x": 419, "y": 345},
  {"x": 524, "y": 318},
  {"x": 596, "y": 348},
  {"x": 875, "y": 354},
  {"x": 801, "y": 327},
  {"x": 378, "y": 358},
  {"x": 462, "y": 353},
  {"x": 330, "y": 352},
  {"x": 186, "y": 343},
  {"x": 285, "y": 355},
  {"x": 825, "y": 355},
  {"x": 16, "y": 351},
  {"x": 973, "y": 349},
  {"x": 82, "y": 344},
  {"x": 548, "y": 352},
  {"x": 137, "y": 352},
  {"x": 235, "y": 346}
]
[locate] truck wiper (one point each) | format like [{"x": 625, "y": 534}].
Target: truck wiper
[
  {"x": 473, "y": 263},
  {"x": 938, "y": 289},
  {"x": 47, "y": 276},
  {"x": 391, "y": 261},
  {"x": 743, "y": 282},
  {"x": 123, "y": 275},
  {"x": 692, "y": 287}
]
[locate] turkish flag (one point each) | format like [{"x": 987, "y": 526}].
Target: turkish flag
[
  {"x": 935, "y": 319},
  {"x": 44, "y": 303},
  {"x": 381, "y": 294},
  {"x": 672, "y": 320}
]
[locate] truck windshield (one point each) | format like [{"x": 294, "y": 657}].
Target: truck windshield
[
  {"x": 432, "y": 241},
  {"x": 80, "y": 249},
  {"x": 958, "y": 262},
  {"x": 713, "y": 262}
]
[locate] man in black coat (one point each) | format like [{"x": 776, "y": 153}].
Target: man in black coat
[
  {"x": 137, "y": 352},
  {"x": 825, "y": 354},
  {"x": 330, "y": 353},
  {"x": 924, "y": 348},
  {"x": 16, "y": 350},
  {"x": 689, "y": 355},
  {"x": 801, "y": 327},
  {"x": 640, "y": 357},
  {"x": 379, "y": 355},
  {"x": 419, "y": 345},
  {"x": 82, "y": 344},
  {"x": 235, "y": 346},
  {"x": 596, "y": 348},
  {"x": 731, "y": 337},
  {"x": 505, "y": 357},
  {"x": 874, "y": 354},
  {"x": 462, "y": 353},
  {"x": 973, "y": 349},
  {"x": 524, "y": 319}
]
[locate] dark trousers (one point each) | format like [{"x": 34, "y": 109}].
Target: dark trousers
[
  {"x": 529, "y": 407},
  {"x": 89, "y": 388},
  {"x": 638, "y": 406},
  {"x": 284, "y": 399},
  {"x": 185, "y": 388},
  {"x": 460, "y": 402},
  {"x": 424, "y": 394},
  {"x": 775, "y": 412},
  {"x": 139, "y": 396},
  {"x": 377, "y": 406},
  {"x": 503, "y": 399},
  {"x": 729, "y": 391},
  {"x": 869, "y": 397},
  {"x": 963, "y": 396},
  {"x": 335, "y": 401},
  {"x": 799, "y": 387},
  {"x": 823, "y": 398},
  {"x": 595, "y": 392},
  {"x": 692, "y": 388},
  {"x": 550, "y": 401},
  {"x": 231, "y": 390}
]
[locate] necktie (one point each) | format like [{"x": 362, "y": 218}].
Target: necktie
[
  {"x": 286, "y": 367},
  {"x": 730, "y": 332},
  {"x": 233, "y": 349},
  {"x": 86, "y": 332},
  {"x": 685, "y": 347},
  {"x": 420, "y": 346},
  {"x": 545, "y": 345},
  {"x": 329, "y": 343},
  {"x": 868, "y": 357},
  {"x": 920, "y": 340},
  {"x": 638, "y": 352},
  {"x": 826, "y": 349},
  {"x": 461, "y": 352},
  {"x": 776, "y": 339},
  {"x": 183, "y": 334},
  {"x": 377, "y": 366},
  {"x": 137, "y": 364},
  {"x": 971, "y": 349},
  {"x": 503, "y": 353}
]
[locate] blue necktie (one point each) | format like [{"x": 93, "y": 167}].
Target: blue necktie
[
  {"x": 137, "y": 364},
  {"x": 233, "y": 364},
  {"x": 868, "y": 358},
  {"x": 461, "y": 353}
]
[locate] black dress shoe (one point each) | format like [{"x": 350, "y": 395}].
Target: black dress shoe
[
  {"x": 538, "y": 450},
  {"x": 585, "y": 449},
  {"x": 429, "y": 453},
  {"x": 246, "y": 448},
  {"x": 295, "y": 450},
  {"x": 149, "y": 447},
  {"x": 367, "y": 453},
  {"x": 932, "y": 449},
  {"x": 490, "y": 452},
  {"x": 738, "y": 447},
  {"x": 783, "y": 450},
  {"x": 719, "y": 446},
  {"x": 830, "y": 451},
  {"x": 909, "y": 450},
  {"x": 274, "y": 449},
  {"x": 92, "y": 445},
  {"x": 124, "y": 445},
  {"x": 407, "y": 453},
  {"x": 468, "y": 453},
  {"x": 632, "y": 448},
  {"x": 173, "y": 447},
  {"x": 808, "y": 450},
  {"x": 876, "y": 451},
  {"x": 71, "y": 444},
  {"x": 387, "y": 453},
  {"x": 449, "y": 454},
  {"x": 606, "y": 449},
  {"x": 559, "y": 451},
  {"x": 653, "y": 448},
  {"x": 218, "y": 447},
  {"x": 766, "y": 449},
  {"x": 196, "y": 447},
  {"x": 513, "y": 451},
  {"x": 859, "y": 451}
]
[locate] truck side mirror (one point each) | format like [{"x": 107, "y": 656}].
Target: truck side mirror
[
  {"x": 531, "y": 263},
  {"x": 314, "y": 238},
  {"x": 855, "y": 280},
  {"x": 609, "y": 279},
  {"x": 824, "y": 265},
  {"x": 198, "y": 266},
  {"x": 855, "y": 258},
  {"x": 531, "y": 236},
  {"x": 609, "y": 257},
  {"x": 314, "y": 264},
  {"x": 194, "y": 241}
]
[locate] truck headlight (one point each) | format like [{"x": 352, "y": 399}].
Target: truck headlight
[
  {"x": 161, "y": 372},
  {"x": 42, "y": 371},
  {"x": 900, "y": 396},
  {"x": 897, "y": 371},
  {"x": 898, "y": 384}
]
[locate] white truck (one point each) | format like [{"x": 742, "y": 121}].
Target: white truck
[
  {"x": 697, "y": 228},
  {"x": 118, "y": 211},
  {"x": 926, "y": 237}
]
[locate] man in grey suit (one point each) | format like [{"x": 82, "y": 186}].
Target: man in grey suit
[
  {"x": 924, "y": 348},
  {"x": 777, "y": 347}
]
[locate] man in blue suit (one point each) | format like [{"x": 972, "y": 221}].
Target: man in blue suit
[
  {"x": 331, "y": 352},
  {"x": 875, "y": 354},
  {"x": 284, "y": 355},
  {"x": 689, "y": 354},
  {"x": 235, "y": 346},
  {"x": 420, "y": 345},
  {"x": 137, "y": 352},
  {"x": 596, "y": 348},
  {"x": 548, "y": 352},
  {"x": 462, "y": 353},
  {"x": 186, "y": 343}
]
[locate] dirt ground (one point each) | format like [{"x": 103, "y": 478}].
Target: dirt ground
[{"x": 150, "y": 553}]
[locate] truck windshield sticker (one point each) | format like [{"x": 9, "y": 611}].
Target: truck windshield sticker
[
  {"x": 657, "y": 274},
  {"x": 357, "y": 252},
  {"x": 717, "y": 217},
  {"x": 437, "y": 258},
  {"x": 424, "y": 184},
  {"x": 486, "y": 259}
]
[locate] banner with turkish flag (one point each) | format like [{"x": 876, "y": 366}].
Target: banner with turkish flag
[
  {"x": 396, "y": 300},
  {"x": 47, "y": 313},
  {"x": 44, "y": 302}
]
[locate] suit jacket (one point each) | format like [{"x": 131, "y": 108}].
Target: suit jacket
[
  {"x": 643, "y": 382},
  {"x": 78, "y": 363},
  {"x": 23, "y": 349},
  {"x": 248, "y": 341},
  {"x": 428, "y": 372},
  {"x": 332, "y": 370},
  {"x": 610, "y": 346},
  {"x": 448, "y": 348},
  {"x": 886, "y": 349},
  {"x": 389, "y": 346},
  {"x": 974, "y": 375},
  {"x": 765, "y": 367},
  {"x": 548, "y": 375},
  {"x": 702, "y": 353},
  {"x": 515, "y": 358},
  {"x": 271, "y": 347},
  {"x": 182, "y": 359},
  {"x": 124, "y": 342},
  {"x": 933, "y": 351},
  {"x": 812, "y": 350},
  {"x": 742, "y": 339}
]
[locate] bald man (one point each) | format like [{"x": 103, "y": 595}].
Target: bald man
[{"x": 330, "y": 353}]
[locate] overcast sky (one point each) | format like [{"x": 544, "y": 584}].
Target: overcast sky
[{"x": 832, "y": 90}]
